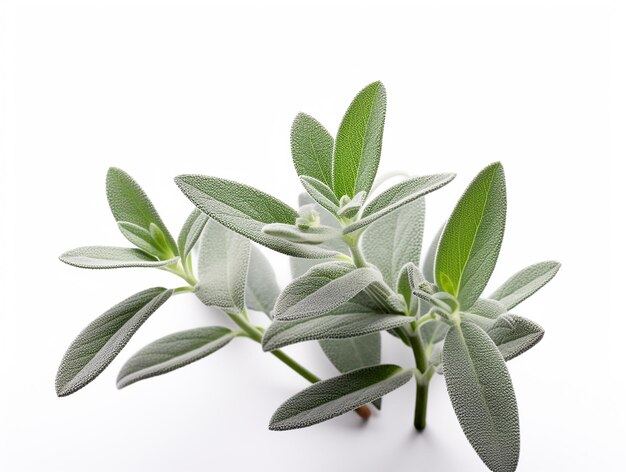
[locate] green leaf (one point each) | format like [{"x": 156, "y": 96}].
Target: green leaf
[
  {"x": 98, "y": 344},
  {"x": 359, "y": 141},
  {"x": 352, "y": 353},
  {"x": 172, "y": 352},
  {"x": 315, "y": 235},
  {"x": 482, "y": 395},
  {"x": 471, "y": 240},
  {"x": 322, "y": 289},
  {"x": 395, "y": 239},
  {"x": 129, "y": 203},
  {"x": 321, "y": 193},
  {"x": 222, "y": 268},
  {"x": 349, "y": 207},
  {"x": 261, "y": 289},
  {"x": 246, "y": 210},
  {"x": 514, "y": 335},
  {"x": 428, "y": 268},
  {"x": 106, "y": 257},
  {"x": 140, "y": 237},
  {"x": 191, "y": 231},
  {"x": 331, "y": 326},
  {"x": 398, "y": 196},
  {"x": 484, "y": 312},
  {"x": 525, "y": 283},
  {"x": 338, "y": 395},
  {"x": 312, "y": 149}
]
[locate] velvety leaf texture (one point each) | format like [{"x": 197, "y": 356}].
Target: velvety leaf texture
[
  {"x": 191, "y": 231},
  {"x": 262, "y": 289},
  {"x": 352, "y": 353},
  {"x": 395, "y": 239},
  {"x": 222, "y": 268},
  {"x": 359, "y": 142},
  {"x": 338, "y": 395},
  {"x": 525, "y": 283},
  {"x": 140, "y": 237},
  {"x": 471, "y": 240},
  {"x": 128, "y": 202},
  {"x": 515, "y": 335},
  {"x": 484, "y": 312},
  {"x": 98, "y": 344},
  {"x": 398, "y": 196},
  {"x": 107, "y": 257},
  {"x": 172, "y": 352},
  {"x": 482, "y": 395},
  {"x": 428, "y": 267},
  {"x": 246, "y": 210},
  {"x": 312, "y": 149},
  {"x": 322, "y": 194}
]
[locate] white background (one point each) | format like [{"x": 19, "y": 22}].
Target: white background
[{"x": 164, "y": 88}]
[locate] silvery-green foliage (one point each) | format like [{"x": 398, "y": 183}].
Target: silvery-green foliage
[
  {"x": 320, "y": 193},
  {"x": 354, "y": 352},
  {"x": 514, "y": 335},
  {"x": 107, "y": 257},
  {"x": 190, "y": 232},
  {"x": 482, "y": 395},
  {"x": 526, "y": 282},
  {"x": 222, "y": 268},
  {"x": 338, "y": 395},
  {"x": 312, "y": 235},
  {"x": 312, "y": 149},
  {"x": 102, "y": 340},
  {"x": 172, "y": 352},
  {"x": 484, "y": 312},
  {"x": 349, "y": 207},
  {"x": 261, "y": 288}
]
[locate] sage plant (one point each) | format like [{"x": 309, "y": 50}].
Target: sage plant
[{"x": 365, "y": 279}]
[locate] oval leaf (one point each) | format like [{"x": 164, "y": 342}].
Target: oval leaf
[
  {"x": 246, "y": 210},
  {"x": 338, "y": 395},
  {"x": 484, "y": 312},
  {"x": 128, "y": 202},
  {"x": 526, "y": 282},
  {"x": 191, "y": 231},
  {"x": 359, "y": 141},
  {"x": 515, "y": 335},
  {"x": 222, "y": 268},
  {"x": 398, "y": 196},
  {"x": 312, "y": 149},
  {"x": 316, "y": 235},
  {"x": 471, "y": 240},
  {"x": 320, "y": 193},
  {"x": 352, "y": 353},
  {"x": 261, "y": 288},
  {"x": 172, "y": 352},
  {"x": 107, "y": 257},
  {"x": 482, "y": 395},
  {"x": 98, "y": 344}
]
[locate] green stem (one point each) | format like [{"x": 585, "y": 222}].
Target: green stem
[
  {"x": 184, "y": 289},
  {"x": 421, "y": 391},
  {"x": 421, "y": 401}
]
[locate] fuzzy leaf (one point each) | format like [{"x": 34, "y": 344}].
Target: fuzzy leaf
[
  {"x": 398, "y": 196},
  {"x": 222, "y": 268},
  {"x": 332, "y": 326},
  {"x": 525, "y": 283},
  {"x": 482, "y": 395},
  {"x": 316, "y": 235},
  {"x": 140, "y": 237},
  {"x": 514, "y": 335},
  {"x": 471, "y": 240},
  {"x": 322, "y": 289},
  {"x": 107, "y": 257},
  {"x": 359, "y": 141},
  {"x": 128, "y": 202},
  {"x": 322, "y": 194},
  {"x": 246, "y": 210},
  {"x": 312, "y": 149},
  {"x": 395, "y": 239},
  {"x": 98, "y": 344},
  {"x": 262, "y": 289},
  {"x": 352, "y": 353},
  {"x": 191, "y": 231},
  {"x": 428, "y": 268},
  {"x": 484, "y": 312},
  {"x": 338, "y": 395},
  {"x": 172, "y": 352}
]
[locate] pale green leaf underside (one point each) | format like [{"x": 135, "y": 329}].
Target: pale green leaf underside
[
  {"x": 359, "y": 142},
  {"x": 525, "y": 283},
  {"x": 172, "y": 352},
  {"x": 482, "y": 395},
  {"x": 352, "y": 353},
  {"x": 222, "y": 268},
  {"x": 471, "y": 240},
  {"x": 338, "y": 395},
  {"x": 128, "y": 202},
  {"x": 107, "y": 257},
  {"x": 332, "y": 326},
  {"x": 140, "y": 237},
  {"x": 428, "y": 267},
  {"x": 515, "y": 335},
  {"x": 312, "y": 149},
  {"x": 191, "y": 231},
  {"x": 316, "y": 235},
  {"x": 395, "y": 239},
  {"x": 484, "y": 312},
  {"x": 262, "y": 290},
  {"x": 98, "y": 344},
  {"x": 321, "y": 193},
  {"x": 246, "y": 210},
  {"x": 398, "y": 196}
]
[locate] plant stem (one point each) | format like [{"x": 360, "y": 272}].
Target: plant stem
[
  {"x": 421, "y": 390},
  {"x": 421, "y": 401}
]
